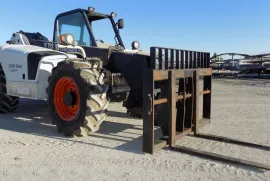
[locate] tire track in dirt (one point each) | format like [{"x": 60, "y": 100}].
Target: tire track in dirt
[
  {"x": 229, "y": 150},
  {"x": 157, "y": 163},
  {"x": 194, "y": 167}
]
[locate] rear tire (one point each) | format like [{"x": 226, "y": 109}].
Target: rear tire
[
  {"x": 7, "y": 103},
  {"x": 89, "y": 110}
]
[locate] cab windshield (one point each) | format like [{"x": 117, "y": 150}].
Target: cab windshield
[
  {"x": 75, "y": 25},
  {"x": 101, "y": 27},
  {"x": 103, "y": 31}
]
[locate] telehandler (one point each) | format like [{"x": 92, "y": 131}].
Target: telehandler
[{"x": 75, "y": 73}]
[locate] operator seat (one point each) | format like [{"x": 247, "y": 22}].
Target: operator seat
[
  {"x": 18, "y": 39},
  {"x": 34, "y": 36}
]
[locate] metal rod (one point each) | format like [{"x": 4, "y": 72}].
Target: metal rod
[
  {"x": 184, "y": 133},
  {"x": 148, "y": 112},
  {"x": 172, "y": 61},
  {"x": 178, "y": 98},
  {"x": 205, "y": 92},
  {"x": 219, "y": 157},
  {"x": 163, "y": 74},
  {"x": 166, "y": 59},
  {"x": 152, "y": 58},
  {"x": 160, "y": 59},
  {"x": 207, "y": 85},
  {"x": 233, "y": 141},
  {"x": 178, "y": 59},
  {"x": 196, "y": 102},
  {"x": 172, "y": 106},
  {"x": 181, "y": 107},
  {"x": 160, "y": 101}
]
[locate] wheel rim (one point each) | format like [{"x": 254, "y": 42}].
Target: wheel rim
[{"x": 66, "y": 112}]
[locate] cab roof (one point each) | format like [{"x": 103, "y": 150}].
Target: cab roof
[{"x": 93, "y": 16}]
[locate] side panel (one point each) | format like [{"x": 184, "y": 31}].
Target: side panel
[
  {"x": 22, "y": 89},
  {"x": 14, "y": 64},
  {"x": 37, "y": 88}
]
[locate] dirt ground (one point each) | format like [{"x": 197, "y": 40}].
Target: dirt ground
[{"x": 31, "y": 149}]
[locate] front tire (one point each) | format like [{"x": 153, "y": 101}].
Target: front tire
[{"x": 77, "y": 98}]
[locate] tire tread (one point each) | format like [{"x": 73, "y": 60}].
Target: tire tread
[{"x": 96, "y": 111}]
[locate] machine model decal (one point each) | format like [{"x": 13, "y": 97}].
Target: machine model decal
[
  {"x": 55, "y": 46},
  {"x": 14, "y": 67},
  {"x": 50, "y": 45},
  {"x": 71, "y": 50}
]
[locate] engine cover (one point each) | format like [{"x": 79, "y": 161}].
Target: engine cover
[{"x": 27, "y": 68}]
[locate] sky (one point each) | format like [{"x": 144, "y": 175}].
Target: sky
[{"x": 220, "y": 26}]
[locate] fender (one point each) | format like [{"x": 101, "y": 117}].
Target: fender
[{"x": 44, "y": 71}]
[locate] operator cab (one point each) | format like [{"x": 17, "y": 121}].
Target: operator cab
[{"x": 87, "y": 28}]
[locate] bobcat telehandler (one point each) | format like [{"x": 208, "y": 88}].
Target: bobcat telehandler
[{"x": 75, "y": 73}]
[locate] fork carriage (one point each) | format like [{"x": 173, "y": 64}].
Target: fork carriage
[{"x": 177, "y": 109}]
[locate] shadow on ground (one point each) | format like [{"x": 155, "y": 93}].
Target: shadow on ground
[
  {"x": 120, "y": 115},
  {"x": 32, "y": 117}
]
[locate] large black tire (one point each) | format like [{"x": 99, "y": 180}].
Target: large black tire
[
  {"x": 7, "y": 103},
  {"x": 92, "y": 107}
]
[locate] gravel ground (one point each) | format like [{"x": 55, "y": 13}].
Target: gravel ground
[{"x": 31, "y": 149}]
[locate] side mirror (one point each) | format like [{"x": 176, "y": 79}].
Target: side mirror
[
  {"x": 100, "y": 41},
  {"x": 120, "y": 23}
]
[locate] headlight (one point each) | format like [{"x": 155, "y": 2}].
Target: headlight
[
  {"x": 67, "y": 39},
  {"x": 135, "y": 45},
  {"x": 70, "y": 39}
]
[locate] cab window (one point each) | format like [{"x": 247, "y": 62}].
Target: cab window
[{"x": 75, "y": 25}]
